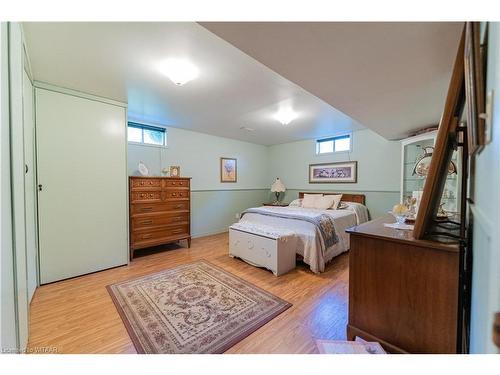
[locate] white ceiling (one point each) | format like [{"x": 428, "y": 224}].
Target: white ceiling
[
  {"x": 391, "y": 77},
  {"x": 118, "y": 61}
]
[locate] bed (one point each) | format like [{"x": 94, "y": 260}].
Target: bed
[{"x": 310, "y": 243}]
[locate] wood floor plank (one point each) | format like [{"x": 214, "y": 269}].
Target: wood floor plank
[{"x": 78, "y": 315}]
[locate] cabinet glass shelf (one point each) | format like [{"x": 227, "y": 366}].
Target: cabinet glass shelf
[{"x": 412, "y": 150}]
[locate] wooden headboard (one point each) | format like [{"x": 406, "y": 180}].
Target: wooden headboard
[{"x": 356, "y": 198}]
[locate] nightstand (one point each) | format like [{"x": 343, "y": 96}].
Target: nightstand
[{"x": 277, "y": 205}]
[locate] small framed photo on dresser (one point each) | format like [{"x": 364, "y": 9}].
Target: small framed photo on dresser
[
  {"x": 175, "y": 171},
  {"x": 228, "y": 170}
]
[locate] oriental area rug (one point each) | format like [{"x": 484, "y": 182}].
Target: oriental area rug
[{"x": 193, "y": 308}]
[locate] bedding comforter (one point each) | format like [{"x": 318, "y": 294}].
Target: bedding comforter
[{"x": 310, "y": 244}]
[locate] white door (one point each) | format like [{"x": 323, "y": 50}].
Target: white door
[
  {"x": 82, "y": 199},
  {"x": 29, "y": 185}
]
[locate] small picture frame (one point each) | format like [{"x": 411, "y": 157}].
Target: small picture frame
[
  {"x": 331, "y": 173},
  {"x": 228, "y": 169},
  {"x": 175, "y": 171}
]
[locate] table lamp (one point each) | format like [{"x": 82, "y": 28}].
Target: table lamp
[{"x": 277, "y": 187}]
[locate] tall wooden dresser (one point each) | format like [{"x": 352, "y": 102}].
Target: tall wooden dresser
[
  {"x": 159, "y": 211},
  {"x": 403, "y": 293}
]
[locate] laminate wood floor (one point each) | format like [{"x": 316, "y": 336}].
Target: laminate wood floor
[{"x": 78, "y": 316}]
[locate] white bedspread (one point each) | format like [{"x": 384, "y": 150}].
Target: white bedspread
[{"x": 308, "y": 244}]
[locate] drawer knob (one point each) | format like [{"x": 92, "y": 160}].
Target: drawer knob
[
  {"x": 174, "y": 194},
  {"x": 151, "y": 195},
  {"x": 178, "y": 206},
  {"x": 151, "y": 182},
  {"x": 146, "y": 208},
  {"x": 147, "y": 222},
  {"x": 173, "y": 183},
  {"x": 142, "y": 182},
  {"x": 142, "y": 195},
  {"x": 178, "y": 218}
]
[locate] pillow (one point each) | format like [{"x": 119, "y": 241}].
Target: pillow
[
  {"x": 325, "y": 202},
  {"x": 296, "y": 203},
  {"x": 336, "y": 200},
  {"x": 310, "y": 199}
]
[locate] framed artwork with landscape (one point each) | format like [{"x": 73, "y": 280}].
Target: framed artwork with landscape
[
  {"x": 228, "y": 170},
  {"x": 333, "y": 172}
]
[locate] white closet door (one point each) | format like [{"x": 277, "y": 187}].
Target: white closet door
[{"x": 81, "y": 154}]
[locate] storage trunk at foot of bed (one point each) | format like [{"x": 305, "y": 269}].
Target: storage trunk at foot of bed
[{"x": 275, "y": 254}]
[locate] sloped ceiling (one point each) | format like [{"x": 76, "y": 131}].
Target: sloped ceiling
[
  {"x": 119, "y": 60},
  {"x": 390, "y": 77}
]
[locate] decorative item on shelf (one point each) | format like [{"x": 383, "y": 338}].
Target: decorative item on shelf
[
  {"x": 175, "y": 171},
  {"x": 333, "y": 172},
  {"x": 143, "y": 170},
  {"x": 441, "y": 213},
  {"x": 228, "y": 169},
  {"x": 277, "y": 187},
  {"x": 428, "y": 129},
  {"x": 423, "y": 163},
  {"x": 165, "y": 171}
]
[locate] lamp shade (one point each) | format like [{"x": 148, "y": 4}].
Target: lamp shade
[{"x": 278, "y": 186}]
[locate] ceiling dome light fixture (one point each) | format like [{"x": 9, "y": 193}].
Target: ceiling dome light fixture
[
  {"x": 179, "y": 71},
  {"x": 285, "y": 116}
]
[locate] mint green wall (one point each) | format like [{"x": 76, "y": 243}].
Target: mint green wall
[
  {"x": 379, "y": 167},
  {"x": 214, "y": 204},
  {"x": 198, "y": 156},
  {"x": 214, "y": 210},
  {"x": 486, "y": 211}
]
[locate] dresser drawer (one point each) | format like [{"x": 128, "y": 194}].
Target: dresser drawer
[
  {"x": 145, "y": 196},
  {"x": 145, "y": 222},
  {"x": 175, "y": 194},
  {"x": 145, "y": 183},
  {"x": 177, "y": 184},
  {"x": 174, "y": 231},
  {"x": 145, "y": 208}
]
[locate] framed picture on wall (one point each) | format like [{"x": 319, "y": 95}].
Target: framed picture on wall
[
  {"x": 228, "y": 170},
  {"x": 474, "y": 65},
  {"x": 333, "y": 172}
]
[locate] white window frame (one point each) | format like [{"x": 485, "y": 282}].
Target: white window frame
[
  {"x": 145, "y": 125},
  {"x": 333, "y": 138}
]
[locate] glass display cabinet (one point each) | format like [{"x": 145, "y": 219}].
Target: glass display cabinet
[{"x": 416, "y": 153}]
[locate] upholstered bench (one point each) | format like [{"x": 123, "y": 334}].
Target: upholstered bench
[{"x": 263, "y": 246}]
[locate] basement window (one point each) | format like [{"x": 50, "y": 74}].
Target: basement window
[
  {"x": 146, "y": 134},
  {"x": 341, "y": 143}
]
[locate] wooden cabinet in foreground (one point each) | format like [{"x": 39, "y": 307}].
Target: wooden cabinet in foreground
[
  {"x": 159, "y": 211},
  {"x": 403, "y": 293}
]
